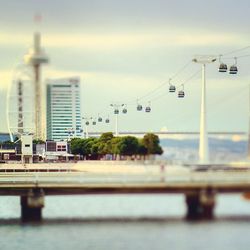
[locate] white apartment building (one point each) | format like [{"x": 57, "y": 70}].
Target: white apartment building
[{"x": 63, "y": 109}]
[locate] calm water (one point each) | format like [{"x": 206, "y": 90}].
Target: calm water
[{"x": 125, "y": 222}]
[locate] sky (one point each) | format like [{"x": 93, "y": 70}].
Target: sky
[{"x": 125, "y": 50}]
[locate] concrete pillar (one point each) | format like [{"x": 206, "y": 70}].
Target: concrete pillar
[
  {"x": 200, "y": 205},
  {"x": 207, "y": 200},
  {"x": 31, "y": 206}
]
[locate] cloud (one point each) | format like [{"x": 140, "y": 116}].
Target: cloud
[
  {"x": 120, "y": 83},
  {"x": 135, "y": 40},
  {"x": 166, "y": 36},
  {"x": 54, "y": 73},
  {"x": 14, "y": 38}
]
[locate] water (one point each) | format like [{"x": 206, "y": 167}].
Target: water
[{"x": 125, "y": 222}]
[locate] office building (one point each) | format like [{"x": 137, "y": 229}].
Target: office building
[{"x": 63, "y": 109}]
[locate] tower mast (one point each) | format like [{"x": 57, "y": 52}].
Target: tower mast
[{"x": 35, "y": 58}]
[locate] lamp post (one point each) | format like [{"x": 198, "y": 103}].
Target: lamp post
[{"x": 203, "y": 144}]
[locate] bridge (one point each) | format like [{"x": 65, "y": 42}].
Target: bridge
[{"x": 199, "y": 188}]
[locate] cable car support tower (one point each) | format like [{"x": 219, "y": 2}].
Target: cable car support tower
[{"x": 203, "y": 146}]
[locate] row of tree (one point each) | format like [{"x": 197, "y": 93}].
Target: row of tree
[{"x": 107, "y": 144}]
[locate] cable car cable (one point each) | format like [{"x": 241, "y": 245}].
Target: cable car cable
[
  {"x": 235, "y": 51},
  {"x": 165, "y": 83},
  {"x": 183, "y": 84}
]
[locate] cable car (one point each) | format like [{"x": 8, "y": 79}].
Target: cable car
[
  {"x": 181, "y": 94},
  {"x": 99, "y": 119},
  {"x": 223, "y": 68},
  {"x": 172, "y": 89},
  {"x": 107, "y": 120},
  {"x": 148, "y": 108},
  {"x": 139, "y": 107},
  {"x": 87, "y": 123},
  {"x": 124, "y": 111},
  {"x": 116, "y": 111},
  {"x": 94, "y": 122},
  {"x": 233, "y": 70}
]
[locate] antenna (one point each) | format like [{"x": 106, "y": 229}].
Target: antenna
[{"x": 37, "y": 18}]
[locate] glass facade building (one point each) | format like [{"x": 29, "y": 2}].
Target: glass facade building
[{"x": 63, "y": 109}]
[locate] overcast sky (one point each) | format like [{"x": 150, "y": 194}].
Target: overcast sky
[{"x": 122, "y": 50}]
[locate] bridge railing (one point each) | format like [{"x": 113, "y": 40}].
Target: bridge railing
[{"x": 147, "y": 177}]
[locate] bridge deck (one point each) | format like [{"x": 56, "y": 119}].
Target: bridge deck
[{"x": 68, "y": 183}]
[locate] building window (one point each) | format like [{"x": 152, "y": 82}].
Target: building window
[
  {"x": 51, "y": 146},
  {"x": 61, "y": 148}
]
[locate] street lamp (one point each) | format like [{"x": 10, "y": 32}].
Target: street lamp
[{"x": 203, "y": 146}]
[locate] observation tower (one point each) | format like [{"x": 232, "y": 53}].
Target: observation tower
[{"x": 35, "y": 58}]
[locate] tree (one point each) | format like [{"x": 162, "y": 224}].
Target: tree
[
  {"x": 128, "y": 145},
  {"x": 94, "y": 148},
  {"x": 152, "y": 144},
  {"x": 106, "y": 137},
  {"x": 91, "y": 147},
  {"x": 142, "y": 150},
  {"x": 77, "y": 146},
  {"x": 105, "y": 146},
  {"x": 115, "y": 146}
]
